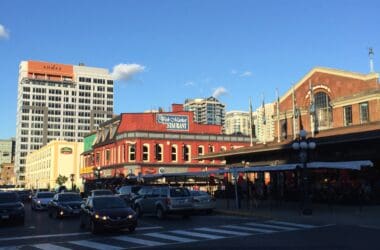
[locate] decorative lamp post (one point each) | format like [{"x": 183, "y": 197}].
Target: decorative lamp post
[
  {"x": 303, "y": 146},
  {"x": 72, "y": 181}
]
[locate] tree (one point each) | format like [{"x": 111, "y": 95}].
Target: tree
[{"x": 61, "y": 179}]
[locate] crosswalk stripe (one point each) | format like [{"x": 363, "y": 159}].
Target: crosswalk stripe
[
  {"x": 200, "y": 235},
  {"x": 42, "y": 236},
  {"x": 291, "y": 224},
  {"x": 222, "y": 231},
  {"x": 170, "y": 237},
  {"x": 95, "y": 245},
  {"x": 9, "y": 248},
  {"x": 270, "y": 226},
  {"x": 260, "y": 230},
  {"x": 139, "y": 241},
  {"x": 47, "y": 246}
]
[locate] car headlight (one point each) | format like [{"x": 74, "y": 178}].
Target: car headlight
[
  {"x": 39, "y": 202},
  {"x": 97, "y": 216},
  {"x": 130, "y": 216}
]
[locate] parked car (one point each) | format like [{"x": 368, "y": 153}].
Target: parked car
[
  {"x": 40, "y": 200},
  {"x": 203, "y": 201},
  {"x": 25, "y": 195},
  {"x": 100, "y": 192},
  {"x": 128, "y": 193},
  {"x": 162, "y": 201},
  {"x": 65, "y": 204},
  {"x": 107, "y": 212},
  {"x": 11, "y": 207}
]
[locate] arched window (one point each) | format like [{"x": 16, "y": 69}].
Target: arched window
[
  {"x": 158, "y": 152},
  {"x": 132, "y": 152},
  {"x": 323, "y": 110},
  {"x": 145, "y": 152},
  {"x": 174, "y": 152}
]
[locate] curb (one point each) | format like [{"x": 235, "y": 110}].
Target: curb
[{"x": 242, "y": 213}]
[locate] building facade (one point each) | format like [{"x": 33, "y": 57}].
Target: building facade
[
  {"x": 7, "y": 175},
  {"x": 237, "y": 122},
  {"x": 58, "y": 101},
  {"x": 152, "y": 143},
  {"x": 264, "y": 123},
  {"x": 207, "y": 110},
  {"x": 44, "y": 165},
  {"x": 6, "y": 151}
]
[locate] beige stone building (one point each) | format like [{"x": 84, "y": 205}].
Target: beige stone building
[
  {"x": 7, "y": 175},
  {"x": 43, "y": 166}
]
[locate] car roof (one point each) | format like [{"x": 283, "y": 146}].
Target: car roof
[{"x": 96, "y": 190}]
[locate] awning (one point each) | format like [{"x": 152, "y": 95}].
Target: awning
[{"x": 353, "y": 165}]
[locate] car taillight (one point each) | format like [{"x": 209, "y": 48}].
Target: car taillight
[{"x": 168, "y": 201}]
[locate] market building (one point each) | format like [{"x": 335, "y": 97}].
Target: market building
[
  {"x": 152, "y": 143},
  {"x": 43, "y": 166}
]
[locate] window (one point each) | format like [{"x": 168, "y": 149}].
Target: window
[
  {"x": 364, "y": 114},
  {"x": 158, "y": 152},
  {"x": 174, "y": 153},
  {"x": 186, "y": 153},
  {"x": 323, "y": 110},
  {"x": 132, "y": 152},
  {"x": 200, "y": 152},
  {"x": 145, "y": 152},
  {"x": 347, "y": 115},
  {"x": 108, "y": 155}
]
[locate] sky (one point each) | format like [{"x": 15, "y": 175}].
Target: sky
[{"x": 163, "y": 52}]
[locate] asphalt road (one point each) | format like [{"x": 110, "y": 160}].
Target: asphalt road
[{"x": 199, "y": 232}]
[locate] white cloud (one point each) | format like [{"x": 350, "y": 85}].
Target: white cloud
[
  {"x": 219, "y": 91},
  {"x": 234, "y": 72},
  {"x": 246, "y": 74},
  {"x": 189, "y": 83},
  {"x": 125, "y": 72},
  {"x": 4, "y": 34}
]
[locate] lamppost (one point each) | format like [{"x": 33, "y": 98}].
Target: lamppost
[
  {"x": 303, "y": 145},
  {"x": 97, "y": 172},
  {"x": 72, "y": 181}
]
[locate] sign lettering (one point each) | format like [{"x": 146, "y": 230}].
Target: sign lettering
[{"x": 174, "y": 122}]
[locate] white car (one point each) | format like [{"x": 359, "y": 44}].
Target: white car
[
  {"x": 40, "y": 200},
  {"x": 202, "y": 201}
]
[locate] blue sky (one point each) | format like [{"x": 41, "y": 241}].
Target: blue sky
[{"x": 187, "y": 49}]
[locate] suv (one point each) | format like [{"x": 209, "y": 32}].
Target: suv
[
  {"x": 165, "y": 200},
  {"x": 11, "y": 208}
]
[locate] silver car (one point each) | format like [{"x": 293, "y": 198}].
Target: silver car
[
  {"x": 162, "y": 201},
  {"x": 40, "y": 200},
  {"x": 203, "y": 201}
]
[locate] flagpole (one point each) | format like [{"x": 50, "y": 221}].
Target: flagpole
[
  {"x": 264, "y": 122},
  {"x": 312, "y": 124},
  {"x": 250, "y": 122},
  {"x": 294, "y": 115},
  {"x": 278, "y": 117}
]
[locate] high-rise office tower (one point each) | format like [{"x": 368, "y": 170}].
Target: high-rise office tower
[
  {"x": 207, "y": 110},
  {"x": 58, "y": 101}
]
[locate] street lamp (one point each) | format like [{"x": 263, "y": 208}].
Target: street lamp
[
  {"x": 303, "y": 145},
  {"x": 72, "y": 181}
]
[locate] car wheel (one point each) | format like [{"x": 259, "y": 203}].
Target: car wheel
[
  {"x": 81, "y": 222},
  {"x": 160, "y": 213},
  {"x": 138, "y": 211},
  {"x": 94, "y": 227},
  {"x": 131, "y": 229}
]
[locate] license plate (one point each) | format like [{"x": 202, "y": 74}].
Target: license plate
[{"x": 5, "y": 217}]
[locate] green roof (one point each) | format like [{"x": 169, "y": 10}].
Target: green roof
[{"x": 88, "y": 141}]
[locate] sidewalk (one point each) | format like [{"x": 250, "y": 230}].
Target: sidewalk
[{"x": 290, "y": 211}]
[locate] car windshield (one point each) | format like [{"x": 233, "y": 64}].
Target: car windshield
[
  {"x": 45, "y": 195},
  {"x": 8, "y": 197},
  {"x": 109, "y": 202},
  {"x": 69, "y": 197},
  {"x": 102, "y": 192},
  {"x": 178, "y": 192}
]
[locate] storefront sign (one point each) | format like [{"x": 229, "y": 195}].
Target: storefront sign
[
  {"x": 174, "y": 122},
  {"x": 66, "y": 150}
]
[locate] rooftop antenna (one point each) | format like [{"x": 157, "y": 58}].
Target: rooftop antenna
[{"x": 370, "y": 54}]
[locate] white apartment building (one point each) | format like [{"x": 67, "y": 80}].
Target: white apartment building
[
  {"x": 237, "y": 122},
  {"x": 58, "y": 101},
  {"x": 264, "y": 123},
  {"x": 206, "y": 110}
]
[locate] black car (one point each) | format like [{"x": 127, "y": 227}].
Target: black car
[
  {"x": 100, "y": 192},
  {"x": 107, "y": 212},
  {"x": 11, "y": 208},
  {"x": 25, "y": 195},
  {"x": 65, "y": 204}
]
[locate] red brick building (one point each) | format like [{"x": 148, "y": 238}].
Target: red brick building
[
  {"x": 339, "y": 99},
  {"x": 150, "y": 143}
]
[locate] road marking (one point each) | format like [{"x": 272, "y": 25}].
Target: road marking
[
  {"x": 139, "y": 241},
  {"x": 147, "y": 228},
  {"x": 200, "y": 235},
  {"x": 47, "y": 246},
  {"x": 250, "y": 229},
  {"x": 170, "y": 237},
  {"x": 291, "y": 224},
  {"x": 271, "y": 226},
  {"x": 370, "y": 227},
  {"x": 95, "y": 245},
  {"x": 10, "y": 248},
  {"x": 42, "y": 236},
  {"x": 213, "y": 230}
]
